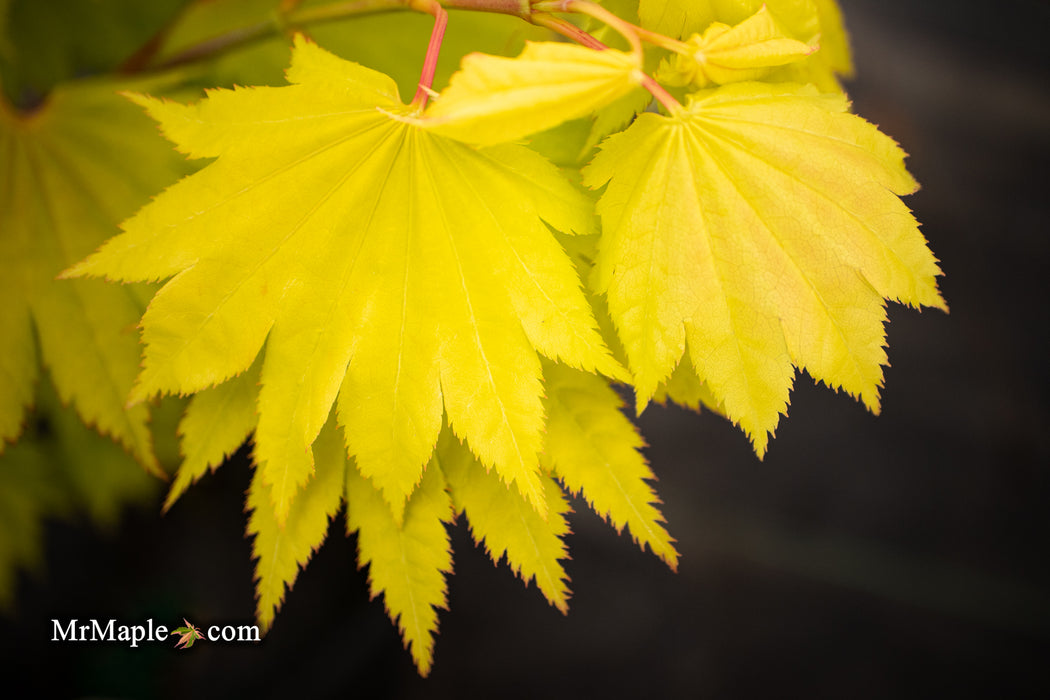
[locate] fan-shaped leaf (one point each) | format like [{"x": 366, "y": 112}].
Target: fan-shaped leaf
[
  {"x": 761, "y": 224},
  {"x": 402, "y": 270}
]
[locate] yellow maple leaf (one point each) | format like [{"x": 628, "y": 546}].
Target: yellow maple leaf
[
  {"x": 282, "y": 550},
  {"x": 595, "y": 450},
  {"x": 403, "y": 271},
  {"x": 215, "y": 424},
  {"x": 407, "y": 562},
  {"x": 834, "y": 54},
  {"x": 507, "y": 523},
  {"x": 684, "y": 388},
  {"x": 808, "y": 21},
  {"x": 677, "y": 18},
  {"x": 493, "y": 99},
  {"x": 725, "y": 54},
  {"x": 74, "y": 168},
  {"x": 761, "y": 224}
]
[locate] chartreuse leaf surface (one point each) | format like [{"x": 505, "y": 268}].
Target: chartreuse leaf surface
[
  {"x": 507, "y": 523},
  {"x": 677, "y": 18},
  {"x": 684, "y": 388},
  {"x": 724, "y": 54},
  {"x": 761, "y": 225},
  {"x": 834, "y": 51},
  {"x": 808, "y": 21},
  {"x": 493, "y": 99},
  {"x": 682, "y": 18},
  {"x": 282, "y": 549},
  {"x": 405, "y": 272},
  {"x": 407, "y": 562},
  {"x": 217, "y": 421},
  {"x": 594, "y": 449},
  {"x": 72, "y": 170}
]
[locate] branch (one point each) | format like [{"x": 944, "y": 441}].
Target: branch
[{"x": 290, "y": 17}]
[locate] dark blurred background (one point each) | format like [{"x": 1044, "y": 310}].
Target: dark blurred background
[{"x": 903, "y": 555}]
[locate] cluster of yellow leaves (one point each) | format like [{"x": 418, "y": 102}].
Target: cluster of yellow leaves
[
  {"x": 377, "y": 295},
  {"x": 807, "y": 21},
  {"x": 725, "y": 54},
  {"x": 757, "y": 228},
  {"x": 755, "y": 231},
  {"x": 411, "y": 282}
]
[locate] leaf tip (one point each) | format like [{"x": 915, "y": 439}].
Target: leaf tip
[
  {"x": 760, "y": 442},
  {"x": 139, "y": 98},
  {"x": 938, "y": 302},
  {"x": 76, "y": 270},
  {"x": 641, "y": 401},
  {"x": 614, "y": 370},
  {"x": 140, "y": 394}
]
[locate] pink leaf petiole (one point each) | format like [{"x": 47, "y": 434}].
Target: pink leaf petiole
[
  {"x": 628, "y": 30},
  {"x": 426, "y": 78}
]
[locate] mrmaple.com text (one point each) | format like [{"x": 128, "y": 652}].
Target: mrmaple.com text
[{"x": 94, "y": 631}]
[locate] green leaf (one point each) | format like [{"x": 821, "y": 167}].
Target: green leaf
[
  {"x": 407, "y": 563},
  {"x": 74, "y": 168},
  {"x": 594, "y": 449},
  {"x": 50, "y": 42},
  {"x": 60, "y": 470},
  {"x": 393, "y": 43},
  {"x": 402, "y": 270},
  {"x": 507, "y": 523},
  {"x": 188, "y": 634},
  {"x": 29, "y": 493},
  {"x": 718, "y": 232},
  {"x": 281, "y": 550}
]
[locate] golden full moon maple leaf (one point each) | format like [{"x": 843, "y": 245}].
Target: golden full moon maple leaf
[
  {"x": 761, "y": 228},
  {"x": 405, "y": 272}
]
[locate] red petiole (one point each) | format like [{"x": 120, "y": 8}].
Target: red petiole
[{"x": 426, "y": 78}]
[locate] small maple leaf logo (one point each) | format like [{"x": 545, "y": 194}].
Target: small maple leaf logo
[{"x": 189, "y": 635}]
